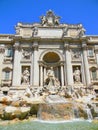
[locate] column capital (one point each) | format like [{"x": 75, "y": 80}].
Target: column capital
[
  {"x": 84, "y": 46},
  {"x": 35, "y": 45},
  {"x": 17, "y": 46},
  {"x": 66, "y": 46},
  {"x": 62, "y": 63},
  {"x": 40, "y": 63}
]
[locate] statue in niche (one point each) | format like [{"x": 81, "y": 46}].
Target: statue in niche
[
  {"x": 51, "y": 77},
  {"x": 51, "y": 82},
  {"x": 26, "y": 54},
  {"x": 35, "y": 31},
  {"x": 77, "y": 75},
  {"x": 26, "y": 76}
]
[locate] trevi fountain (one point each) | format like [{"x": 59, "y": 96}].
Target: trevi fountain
[{"x": 48, "y": 77}]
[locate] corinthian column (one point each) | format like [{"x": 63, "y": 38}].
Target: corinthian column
[
  {"x": 41, "y": 75},
  {"x": 69, "y": 72},
  {"x": 35, "y": 65},
  {"x": 62, "y": 75},
  {"x": 16, "y": 81},
  {"x": 86, "y": 65}
]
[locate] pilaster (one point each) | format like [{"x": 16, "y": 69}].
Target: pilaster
[
  {"x": 86, "y": 65},
  {"x": 2, "y": 50},
  {"x": 35, "y": 64},
  {"x": 69, "y": 72},
  {"x": 16, "y": 81}
]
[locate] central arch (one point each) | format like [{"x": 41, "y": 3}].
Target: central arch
[
  {"x": 51, "y": 58},
  {"x": 51, "y": 51}
]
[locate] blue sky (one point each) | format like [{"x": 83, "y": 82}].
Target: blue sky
[{"x": 29, "y": 11}]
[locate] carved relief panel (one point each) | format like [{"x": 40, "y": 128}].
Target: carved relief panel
[
  {"x": 26, "y": 54},
  {"x": 75, "y": 54}
]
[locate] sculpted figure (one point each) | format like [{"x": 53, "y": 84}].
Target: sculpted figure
[
  {"x": 76, "y": 54},
  {"x": 35, "y": 31},
  {"x": 51, "y": 76},
  {"x": 65, "y": 31},
  {"x": 56, "y": 20},
  {"x": 77, "y": 75},
  {"x": 25, "y": 76},
  {"x": 43, "y": 20},
  {"x": 52, "y": 84}
]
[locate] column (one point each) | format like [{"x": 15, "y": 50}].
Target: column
[
  {"x": 2, "y": 50},
  {"x": 41, "y": 75},
  {"x": 35, "y": 65},
  {"x": 69, "y": 72},
  {"x": 16, "y": 81},
  {"x": 57, "y": 72},
  {"x": 31, "y": 77},
  {"x": 62, "y": 75},
  {"x": 44, "y": 73},
  {"x": 96, "y": 51},
  {"x": 86, "y": 65}
]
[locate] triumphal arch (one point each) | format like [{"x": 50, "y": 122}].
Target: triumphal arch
[{"x": 48, "y": 53}]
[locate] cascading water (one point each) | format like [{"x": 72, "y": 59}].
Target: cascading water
[
  {"x": 55, "y": 111},
  {"x": 89, "y": 114}
]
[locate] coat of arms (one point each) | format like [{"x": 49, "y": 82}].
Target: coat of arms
[{"x": 50, "y": 19}]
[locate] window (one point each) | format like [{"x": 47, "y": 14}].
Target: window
[
  {"x": 90, "y": 52},
  {"x": 9, "y": 52},
  {"x": 7, "y": 75},
  {"x": 94, "y": 74}
]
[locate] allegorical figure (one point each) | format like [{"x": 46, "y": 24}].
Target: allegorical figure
[
  {"x": 77, "y": 75},
  {"x": 25, "y": 76},
  {"x": 51, "y": 77}
]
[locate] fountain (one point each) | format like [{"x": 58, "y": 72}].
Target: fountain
[{"x": 50, "y": 102}]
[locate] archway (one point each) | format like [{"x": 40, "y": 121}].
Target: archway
[
  {"x": 51, "y": 57},
  {"x": 48, "y": 59}
]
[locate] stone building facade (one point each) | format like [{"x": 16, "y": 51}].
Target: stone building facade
[{"x": 26, "y": 57}]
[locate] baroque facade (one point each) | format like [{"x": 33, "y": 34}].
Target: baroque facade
[{"x": 36, "y": 50}]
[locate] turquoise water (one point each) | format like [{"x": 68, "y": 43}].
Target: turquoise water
[{"x": 36, "y": 125}]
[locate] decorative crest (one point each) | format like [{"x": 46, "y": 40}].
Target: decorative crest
[{"x": 50, "y": 19}]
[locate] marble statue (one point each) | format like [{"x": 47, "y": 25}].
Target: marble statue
[
  {"x": 50, "y": 19},
  {"x": 81, "y": 32},
  {"x": 77, "y": 75},
  {"x": 35, "y": 31},
  {"x": 52, "y": 84},
  {"x": 65, "y": 31},
  {"x": 25, "y": 76},
  {"x": 43, "y": 20}
]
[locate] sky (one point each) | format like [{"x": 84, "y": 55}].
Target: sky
[{"x": 29, "y": 11}]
